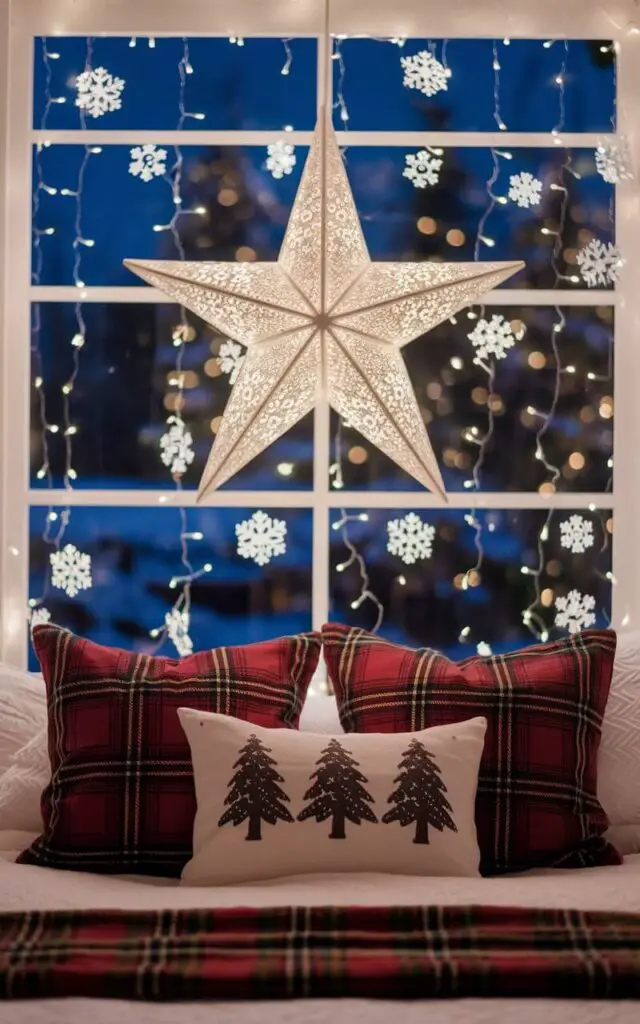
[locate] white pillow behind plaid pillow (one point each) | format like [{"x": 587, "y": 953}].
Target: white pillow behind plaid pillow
[
  {"x": 619, "y": 754},
  {"x": 277, "y": 802}
]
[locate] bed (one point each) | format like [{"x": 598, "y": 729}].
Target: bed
[{"x": 25, "y": 887}]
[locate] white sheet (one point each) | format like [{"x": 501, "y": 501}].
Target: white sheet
[{"x": 611, "y": 888}]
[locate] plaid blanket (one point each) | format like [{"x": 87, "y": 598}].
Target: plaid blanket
[{"x": 385, "y": 952}]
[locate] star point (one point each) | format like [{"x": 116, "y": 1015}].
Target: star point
[{"x": 323, "y": 315}]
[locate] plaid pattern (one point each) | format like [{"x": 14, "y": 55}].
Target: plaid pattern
[
  {"x": 121, "y": 796},
  {"x": 536, "y": 804},
  {"x": 357, "y": 952}
]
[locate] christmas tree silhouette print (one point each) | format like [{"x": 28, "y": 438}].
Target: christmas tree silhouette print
[
  {"x": 254, "y": 793},
  {"x": 420, "y": 796},
  {"x": 337, "y": 792}
]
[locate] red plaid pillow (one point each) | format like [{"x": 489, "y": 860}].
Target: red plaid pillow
[
  {"x": 121, "y": 796},
  {"x": 536, "y": 804}
]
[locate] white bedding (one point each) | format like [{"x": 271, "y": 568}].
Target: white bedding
[{"x": 610, "y": 888}]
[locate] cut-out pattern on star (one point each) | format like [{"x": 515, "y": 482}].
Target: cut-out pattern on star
[{"x": 323, "y": 317}]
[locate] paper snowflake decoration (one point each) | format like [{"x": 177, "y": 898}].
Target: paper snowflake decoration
[
  {"x": 525, "y": 190},
  {"x": 493, "y": 338},
  {"x": 575, "y": 611},
  {"x": 38, "y": 616},
  {"x": 599, "y": 263},
  {"x": 613, "y": 162},
  {"x": 484, "y": 649},
  {"x": 177, "y": 624},
  {"x": 147, "y": 162},
  {"x": 422, "y": 168},
  {"x": 281, "y": 158},
  {"x": 576, "y": 533},
  {"x": 423, "y": 72},
  {"x": 410, "y": 539},
  {"x": 176, "y": 447},
  {"x": 71, "y": 570},
  {"x": 261, "y": 538},
  {"x": 98, "y": 92},
  {"x": 230, "y": 359}
]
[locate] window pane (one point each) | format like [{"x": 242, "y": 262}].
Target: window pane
[
  {"x": 135, "y": 553},
  {"x": 445, "y": 220},
  {"x": 474, "y": 422},
  {"x": 243, "y": 211},
  {"x": 234, "y": 87},
  {"x": 127, "y": 387},
  {"x": 529, "y": 95},
  {"x": 428, "y": 603}
]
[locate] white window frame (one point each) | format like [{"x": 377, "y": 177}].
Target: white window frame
[{"x": 22, "y": 20}]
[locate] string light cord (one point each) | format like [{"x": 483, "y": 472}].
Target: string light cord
[
  {"x": 335, "y": 469},
  {"x": 288, "y": 56},
  {"x": 340, "y": 102},
  {"x": 355, "y": 558}
]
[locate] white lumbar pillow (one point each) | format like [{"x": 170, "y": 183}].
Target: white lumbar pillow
[
  {"x": 277, "y": 802},
  {"x": 619, "y": 754},
  {"x": 23, "y": 710}
]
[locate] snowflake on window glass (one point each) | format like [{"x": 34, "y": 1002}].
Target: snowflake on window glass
[
  {"x": 98, "y": 92},
  {"x": 575, "y": 611},
  {"x": 599, "y": 263},
  {"x": 423, "y": 72},
  {"x": 177, "y": 624},
  {"x": 38, "y": 616},
  {"x": 410, "y": 539},
  {"x": 71, "y": 570},
  {"x": 576, "y": 533},
  {"x": 484, "y": 649},
  {"x": 525, "y": 190},
  {"x": 493, "y": 337},
  {"x": 281, "y": 158},
  {"x": 147, "y": 162},
  {"x": 423, "y": 168},
  {"x": 230, "y": 358},
  {"x": 613, "y": 161},
  {"x": 176, "y": 447},
  {"x": 261, "y": 538}
]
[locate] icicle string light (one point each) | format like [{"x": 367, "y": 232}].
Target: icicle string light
[
  {"x": 482, "y": 238},
  {"x": 181, "y": 608},
  {"x": 57, "y": 523},
  {"x": 531, "y": 616},
  {"x": 44, "y": 472}
]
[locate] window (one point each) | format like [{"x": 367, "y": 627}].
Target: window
[{"x": 512, "y": 156}]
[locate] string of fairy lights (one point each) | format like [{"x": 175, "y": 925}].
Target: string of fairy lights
[
  {"x": 178, "y": 452},
  {"x": 428, "y": 71},
  {"x": 531, "y": 616},
  {"x": 69, "y": 568}
]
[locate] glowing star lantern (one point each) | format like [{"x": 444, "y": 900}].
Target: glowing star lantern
[{"x": 323, "y": 318}]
